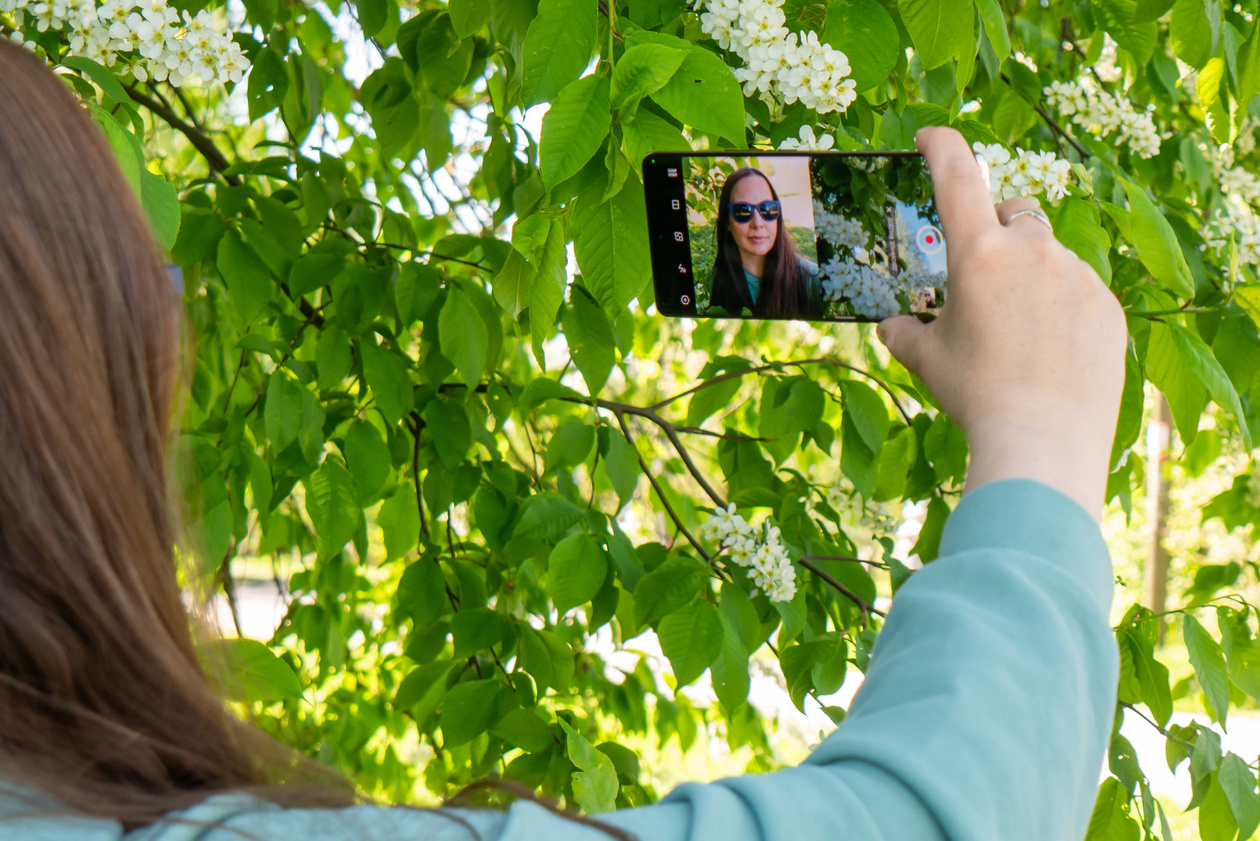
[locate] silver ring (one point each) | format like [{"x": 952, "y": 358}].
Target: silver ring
[{"x": 1036, "y": 214}]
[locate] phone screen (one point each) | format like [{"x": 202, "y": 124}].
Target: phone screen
[{"x": 818, "y": 236}]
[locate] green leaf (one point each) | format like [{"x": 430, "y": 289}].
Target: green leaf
[
  {"x": 246, "y": 276},
  {"x": 251, "y": 671},
  {"x": 1209, "y": 666},
  {"x": 557, "y": 48},
  {"x": 570, "y": 445},
  {"x": 424, "y": 687},
  {"x": 103, "y": 77},
  {"x": 668, "y": 587},
  {"x": 476, "y": 629},
  {"x": 1119, "y": 18},
  {"x": 525, "y": 730},
  {"x": 1156, "y": 243},
  {"x": 864, "y": 408},
  {"x": 282, "y": 414},
  {"x": 422, "y": 589},
  {"x": 1216, "y": 817},
  {"x": 389, "y": 380},
  {"x": 595, "y": 785},
  {"x": 268, "y": 83},
  {"x": 1195, "y": 31},
  {"x": 648, "y": 133},
  {"x": 314, "y": 270},
  {"x": 446, "y": 422},
  {"x": 1239, "y": 784},
  {"x": 333, "y": 356},
  {"x": 1204, "y": 365},
  {"x": 865, "y": 32},
  {"x": 1110, "y": 820},
  {"x": 333, "y": 506},
  {"x": 576, "y": 571},
  {"x": 994, "y": 20},
  {"x": 642, "y": 70},
  {"x": 1169, "y": 370},
  {"x": 464, "y": 337},
  {"x": 1078, "y": 225},
  {"x": 1248, "y": 64},
  {"x": 941, "y": 30},
  {"x": 468, "y": 711},
  {"x": 574, "y": 128},
  {"x": 622, "y": 465},
  {"x": 469, "y": 16},
  {"x": 857, "y": 462},
  {"x": 729, "y": 671},
  {"x": 895, "y": 464},
  {"x": 591, "y": 342},
  {"x": 705, "y": 95},
  {"x": 399, "y": 519},
  {"x": 691, "y": 638},
  {"x": 611, "y": 245},
  {"x": 372, "y": 15},
  {"x": 546, "y": 516},
  {"x": 368, "y": 458}
]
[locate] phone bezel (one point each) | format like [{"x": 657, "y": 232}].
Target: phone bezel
[{"x": 668, "y": 255}]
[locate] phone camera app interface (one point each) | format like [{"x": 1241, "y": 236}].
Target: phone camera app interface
[{"x": 824, "y": 237}]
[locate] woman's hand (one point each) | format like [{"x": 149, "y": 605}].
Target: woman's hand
[{"x": 1027, "y": 355}]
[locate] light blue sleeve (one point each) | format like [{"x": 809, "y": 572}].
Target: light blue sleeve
[{"x": 984, "y": 715}]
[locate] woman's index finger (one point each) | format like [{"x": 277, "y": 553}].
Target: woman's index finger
[{"x": 962, "y": 196}]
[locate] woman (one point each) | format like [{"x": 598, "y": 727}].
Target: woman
[
  {"x": 987, "y": 705},
  {"x": 757, "y": 266}
]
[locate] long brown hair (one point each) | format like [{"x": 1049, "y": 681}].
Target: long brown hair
[
  {"x": 103, "y": 702},
  {"x": 783, "y": 292}
]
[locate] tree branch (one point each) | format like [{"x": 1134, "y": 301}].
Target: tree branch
[
  {"x": 1050, "y": 121},
  {"x": 218, "y": 163},
  {"x": 864, "y": 606},
  {"x": 818, "y": 360},
  {"x": 669, "y": 509}
]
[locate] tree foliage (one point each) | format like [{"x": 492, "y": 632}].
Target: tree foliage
[{"x": 429, "y": 384}]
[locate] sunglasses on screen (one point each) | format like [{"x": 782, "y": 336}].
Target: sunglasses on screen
[{"x": 742, "y": 211}]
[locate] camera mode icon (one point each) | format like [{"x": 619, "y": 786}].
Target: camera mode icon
[{"x": 685, "y": 300}]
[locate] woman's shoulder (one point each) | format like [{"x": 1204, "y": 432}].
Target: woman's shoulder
[{"x": 807, "y": 265}]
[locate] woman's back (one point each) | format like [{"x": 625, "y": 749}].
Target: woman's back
[{"x": 983, "y": 715}]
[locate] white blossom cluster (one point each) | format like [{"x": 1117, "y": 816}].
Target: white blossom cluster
[
  {"x": 1237, "y": 217},
  {"x": 1028, "y": 174},
  {"x": 1103, "y": 114},
  {"x": 780, "y": 65},
  {"x": 148, "y": 37},
  {"x": 838, "y": 230},
  {"x": 1238, "y": 220},
  {"x": 757, "y": 548},
  {"x": 807, "y": 141},
  {"x": 871, "y": 289},
  {"x": 1232, "y": 180}
]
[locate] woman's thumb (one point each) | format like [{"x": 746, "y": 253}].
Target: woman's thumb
[{"x": 903, "y": 336}]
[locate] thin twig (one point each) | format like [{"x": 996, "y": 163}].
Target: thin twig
[
  {"x": 818, "y": 360},
  {"x": 846, "y": 559},
  {"x": 864, "y": 606},
  {"x": 1161, "y": 730},
  {"x": 218, "y": 163},
  {"x": 415, "y": 472},
  {"x": 669, "y": 509},
  {"x": 1050, "y": 121}
]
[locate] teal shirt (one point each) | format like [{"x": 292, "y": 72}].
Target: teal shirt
[
  {"x": 811, "y": 277},
  {"x": 984, "y": 716}
]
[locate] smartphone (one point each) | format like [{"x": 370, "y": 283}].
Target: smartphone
[{"x": 816, "y": 236}]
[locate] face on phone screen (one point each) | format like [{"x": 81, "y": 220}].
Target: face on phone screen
[{"x": 816, "y": 236}]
